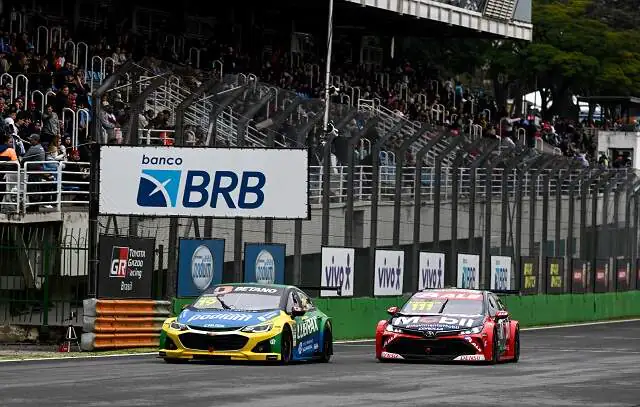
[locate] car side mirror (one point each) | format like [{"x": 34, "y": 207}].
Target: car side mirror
[
  {"x": 393, "y": 310},
  {"x": 297, "y": 312},
  {"x": 502, "y": 315}
]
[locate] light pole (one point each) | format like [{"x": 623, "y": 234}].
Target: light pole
[{"x": 327, "y": 85}]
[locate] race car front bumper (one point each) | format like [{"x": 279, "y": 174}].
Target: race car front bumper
[
  {"x": 227, "y": 345},
  {"x": 459, "y": 348}
]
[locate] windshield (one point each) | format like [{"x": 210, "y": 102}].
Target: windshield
[
  {"x": 239, "y": 298},
  {"x": 442, "y": 306}
]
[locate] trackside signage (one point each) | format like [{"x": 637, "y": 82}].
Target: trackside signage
[
  {"x": 501, "y": 273},
  {"x": 468, "y": 271},
  {"x": 211, "y": 182},
  {"x": 389, "y": 272},
  {"x": 337, "y": 270},
  {"x": 126, "y": 267},
  {"x": 200, "y": 265},
  {"x": 264, "y": 263},
  {"x": 431, "y": 270}
]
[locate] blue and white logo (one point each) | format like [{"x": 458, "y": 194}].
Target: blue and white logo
[
  {"x": 500, "y": 273},
  {"x": 468, "y": 271},
  {"x": 159, "y": 188},
  {"x": 265, "y": 268},
  {"x": 202, "y": 267}
]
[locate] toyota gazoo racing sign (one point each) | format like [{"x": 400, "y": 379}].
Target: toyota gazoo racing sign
[
  {"x": 337, "y": 271},
  {"x": 126, "y": 267},
  {"x": 431, "y": 270},
  {"x": 468, "y": 271},
  {"x": 389, "y": 272},
  {"x": 501, "y": 273},
  {"x": 208, "y": 182}
]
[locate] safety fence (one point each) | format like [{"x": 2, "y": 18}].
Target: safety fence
[{"x": 114, "y": 324}]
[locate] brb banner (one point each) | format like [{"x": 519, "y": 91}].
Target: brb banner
[
  {"x": 468, "y": 271},
  {"x": 501, "y": 273},
  {"x": 389, "y": 272},
  {"x": 207, "y": 182},
  {"x": 126, "y": 267},
  {"x": 337, "y": 270},
  {"x": 431, "y": 268},
  {"x": 264, "y": 263},
  {"x": 200, "y": 264}
]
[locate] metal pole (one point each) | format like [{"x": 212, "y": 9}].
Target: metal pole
[
  {"x": 326, "y": 187},
  {"x": 438, "y": 189},
  {"x": 327, "y": 85}
]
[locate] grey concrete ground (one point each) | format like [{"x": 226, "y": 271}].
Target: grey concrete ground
[{"x": 581, "y": 366}]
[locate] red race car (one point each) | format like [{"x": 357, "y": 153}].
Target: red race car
[{"x": 449, "y": 325}]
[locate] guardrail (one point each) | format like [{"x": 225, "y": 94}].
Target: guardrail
[
  {"x": 43, "y": 184},
  {"x": 113, "y": 324}
]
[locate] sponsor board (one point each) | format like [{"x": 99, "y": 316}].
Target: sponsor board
[
  {"x": 389, "y": 272},
  {"x": 468, "y": 271},
  {"x": 126, "y": 267},
  {"x": 529, "y": 275},
  {"x": 501, "y": 273},
  {"x": 601, "y": 276},
  {"x": 470, "y": 358},
  {"x": 623, "y": 274},
  {"x": 579, "y": 272},
  {"x": 337, "y": 271},
  {"x": 200, "y": 265},
  {"x": 206, "y": 182},
  {"x": 264, "y": 263},
  {"x": 431, "y": 270},
  {"x": 555, "y": 275}
]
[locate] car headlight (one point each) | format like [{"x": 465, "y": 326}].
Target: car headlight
[
  {"x": 474, "y": 330},
  {"x": 257, "y": 328},
  {"x": 391, "y": 328},
  {"x": 178, "y": 326}
]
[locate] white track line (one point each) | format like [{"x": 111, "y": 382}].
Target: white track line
[{"x": 345, "y": 342}]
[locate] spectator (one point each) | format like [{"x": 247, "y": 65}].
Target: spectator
[{"x": 50, "y": 125}]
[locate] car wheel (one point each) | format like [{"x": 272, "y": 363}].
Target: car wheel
[
  {"x": 495, "y": 352},
  {"x": 327, "y": 346},
  {"x": 516, "y": 347},
  {"x": 286, "y": 347}
]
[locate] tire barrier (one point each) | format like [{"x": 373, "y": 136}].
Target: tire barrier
[{"x": 114, "y": 324}]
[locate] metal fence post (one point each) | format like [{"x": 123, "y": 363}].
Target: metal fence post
[
  {"x": 571, "y": 165},
  {"x": 573, "y": 187},
  {"x": 375, "y": 182},
  {"x": 509, "y": 168},
  {"x": 351, "y": 144},
  {"x": 584, "y": 196},
  {"x": 532, "y": 212},
  {"x": 326, "y": 187},
  {"x": 621, "y": 186},
  {"x": 630, "y": 195},
  {"x": 485, "y": 275},
  {"x": 417, "y": 204},
  {"x": 454, "y": 142},
  {"x": 554, "y": 164},
  {"x": 400, "y": 156},
  {"x": 602, "y": 182}
]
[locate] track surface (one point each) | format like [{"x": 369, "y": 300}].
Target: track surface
[{"x": 596, "y": 365}]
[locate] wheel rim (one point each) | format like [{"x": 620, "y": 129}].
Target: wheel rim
[{"x": 286, "y": 349}]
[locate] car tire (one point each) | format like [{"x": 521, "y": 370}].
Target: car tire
[
  {"x": 286, "y": 347},
  {"x": 327, "y": 346},
  {"x": 495, "y": 352},
  {"x": 516, "y": 346}
]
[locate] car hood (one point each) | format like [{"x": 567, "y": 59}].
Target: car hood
[
  {"x": 224, "y": 318},
  {"x": 437, "y": 322}
]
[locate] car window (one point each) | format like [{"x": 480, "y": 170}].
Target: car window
[
  {"x": 292, "y": 300},
  {"x": 305, "y": 302},
  {"x": 501, "y": 305},
  {"x": 493, "y": 307}
]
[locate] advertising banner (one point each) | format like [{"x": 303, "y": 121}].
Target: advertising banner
[
  {"x": 264, "y": 263},
  {"x": 555, "y": 275},
  {"x": 389, "y": 272},
  {"x": 200, "y": 265},
  {"x": 206, "y": 182},
  {"x": 601, "y": 276},
  {"x": 623, "y": 274},
  {"x": 468, "y": 271},
  {"x": 529, "y": 275},
  {"x": 126, "y": 267},
  {"x": 501, "y": 273},
  {"x": 431, "y": 270},
  {"x": 579, "y": 276},
  {"x": 337, "y": 271}
]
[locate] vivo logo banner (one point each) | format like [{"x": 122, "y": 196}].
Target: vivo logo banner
[
  {"x": 389, "y": 272},
  {"x": 264, "y": 263},
  {"x": 468, "y": 271},
  {"x": 501, "y": 273},
  {"x": 337, "y": 270},
  {"x": 211, "y": 182},
  {"x": 200, "y": 264},
  {"x": 431, "y": 270}
]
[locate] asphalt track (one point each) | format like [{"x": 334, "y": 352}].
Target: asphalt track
[{"x": 597, "y": 365}]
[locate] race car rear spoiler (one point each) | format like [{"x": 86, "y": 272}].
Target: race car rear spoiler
[{"x": 337, "y": 289}]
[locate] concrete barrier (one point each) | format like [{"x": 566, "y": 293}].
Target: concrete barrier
[{"x": 113, "y": 324}]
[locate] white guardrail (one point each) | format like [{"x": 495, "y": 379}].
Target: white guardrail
[
  {"x": 53, "y": 184},
  {"x": 46, "y": 185}
]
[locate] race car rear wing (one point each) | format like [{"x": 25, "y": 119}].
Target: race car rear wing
[{"x": 337, "y": 289}]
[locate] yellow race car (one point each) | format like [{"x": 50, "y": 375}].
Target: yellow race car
[{"x": 259, "y": 322}]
